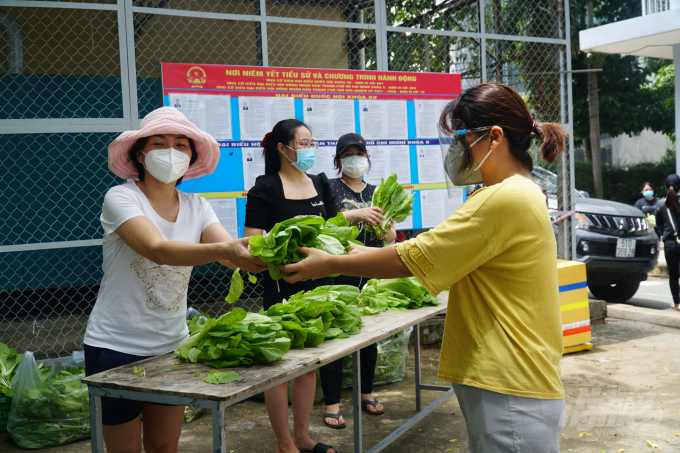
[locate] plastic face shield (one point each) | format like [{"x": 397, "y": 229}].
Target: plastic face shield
[{"x": 460, "y": 167}]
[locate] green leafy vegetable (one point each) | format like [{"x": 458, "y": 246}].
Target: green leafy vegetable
[
  {"x": 9, "y": 361},
  {"x": 251, "y": 278},
  {"x": 235, "y": 288},
  {"x": 221, "y": 377},
  {"x": 279, "y": 246},
  {"x": 239, "y": 338},
  {"x": 398, "y": 294},
  {"x": 390, "y": 366},
  {"x": 235, "y": 338},
  {"x": 138, "y": 371},
  {"x": 48, "y": 412},
  {"x": 392, "y": 198},
  {"x": 198, "y": 373}
]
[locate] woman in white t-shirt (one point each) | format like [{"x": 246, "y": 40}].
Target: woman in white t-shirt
[{"x": 153, "y": 235}]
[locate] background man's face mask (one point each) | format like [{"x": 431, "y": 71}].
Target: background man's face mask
[{"x": 460, "y": 165}]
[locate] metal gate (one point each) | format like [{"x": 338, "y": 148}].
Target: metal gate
[{"x": 77, "y": 73}]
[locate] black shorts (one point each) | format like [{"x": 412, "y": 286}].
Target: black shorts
[{"x": 115, "y": 411}]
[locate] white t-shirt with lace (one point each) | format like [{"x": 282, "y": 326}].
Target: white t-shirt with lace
[{"x": 141, "y": 306}]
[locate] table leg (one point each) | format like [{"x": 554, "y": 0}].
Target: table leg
[
  {"x": 356, "y": 386},
  {"x": 96, "y": 423},
  {"x": 416, "y": 353},
  {"x": 219, "y": 428}
]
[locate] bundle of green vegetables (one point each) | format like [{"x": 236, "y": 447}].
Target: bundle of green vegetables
[
  {"x": 392, "y": 198},
  {"x": 397, "y": 294},
  {"x": 279, "y": 246},
  {"x": 235, "y": 338},
  {"x": 9, "y": 361},
  {"x": 240, "y": 338},
  {"x": 48, "y": 412},
  {"x": 322, "y": 314}
]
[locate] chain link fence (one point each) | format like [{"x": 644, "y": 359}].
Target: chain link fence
[{"x": 73, "y": 77}]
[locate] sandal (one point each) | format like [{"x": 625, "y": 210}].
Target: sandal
[
  {"x": 322, "y": 448},
  {"x": 373, "y": 403},
  {"x": 336, "y": 417}
]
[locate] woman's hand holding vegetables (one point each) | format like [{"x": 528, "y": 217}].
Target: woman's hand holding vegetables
[
  {"x": 390, "y": 234},
  {"x": 238, "y": 253},
  {"x": 372, "y": 215},
  {"x": 316, "y": 265}
]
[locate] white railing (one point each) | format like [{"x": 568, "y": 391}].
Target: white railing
[{"x": 655, "y": 6}]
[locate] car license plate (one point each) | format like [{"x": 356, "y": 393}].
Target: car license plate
[{"x": 625, "y": 248}]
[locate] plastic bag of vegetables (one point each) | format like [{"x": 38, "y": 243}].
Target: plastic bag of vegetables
[
  {"x": 391, "y": 364},
  {"x": 47, "y": 412}
]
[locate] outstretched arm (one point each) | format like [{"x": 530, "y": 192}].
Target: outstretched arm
[
  {"x": 144, "y": 238},
  {"x": 374, "y": 263}
]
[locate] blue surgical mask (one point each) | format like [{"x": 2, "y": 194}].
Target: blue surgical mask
[
  {"x": 305, "y": 158},
  {"x": 648, "y": 193}
]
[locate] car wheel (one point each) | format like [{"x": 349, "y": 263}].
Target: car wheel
[{"x": 615, "y": 292}]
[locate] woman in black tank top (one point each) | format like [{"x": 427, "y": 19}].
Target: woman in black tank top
[{"x": 283, "y": 192}]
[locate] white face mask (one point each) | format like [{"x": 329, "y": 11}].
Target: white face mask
[
  {"x": 354, "y": 166},
  {"x": 166, "y": 165}
]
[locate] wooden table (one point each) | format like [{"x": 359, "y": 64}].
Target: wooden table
[{"x": 166, "y": 383}]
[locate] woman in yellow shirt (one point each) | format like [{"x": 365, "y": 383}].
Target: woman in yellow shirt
[{"x": 497, "y": 253}]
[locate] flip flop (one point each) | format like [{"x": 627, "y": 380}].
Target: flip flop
[
  {"x": 336, "y": 417},
  {"x": 322, "y": 448},
  {"x": 373, "y": 403}
]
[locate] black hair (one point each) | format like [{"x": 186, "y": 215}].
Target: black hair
[
  {"x": 338, "y": 165},
  {"x": 284, "y": 132},
  {"x": 139, "y": 146},
  {"x": 495, "y": 104},
  {"x": 648, "y": 184}
]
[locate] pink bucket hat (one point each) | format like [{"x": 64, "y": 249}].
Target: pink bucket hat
[{"x": 165, "y": 120}]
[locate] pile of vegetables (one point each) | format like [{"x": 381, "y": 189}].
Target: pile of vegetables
[
  {"x": 397, "y": 294},
  {"x": 235, "y": 338},
  {"x": 279, "y": 246},
  {"x": 395, "y": 202},
  {"x": 240, "y": 338},
  {"x": 9, "y": 361},
  {"x": 322, "y": 314},
  {"x": 48, "y": 412}
]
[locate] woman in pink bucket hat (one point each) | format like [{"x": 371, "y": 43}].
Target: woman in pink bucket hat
[{"x": 153, "y": 235}]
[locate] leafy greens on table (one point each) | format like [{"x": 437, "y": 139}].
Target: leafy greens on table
[
  {"x": 240, "y": 338},
  {"x": 392, "y": 198},
  {"x": 398, "y": 294}
]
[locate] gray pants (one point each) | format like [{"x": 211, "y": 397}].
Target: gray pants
[{"x": 498, "y": 423}]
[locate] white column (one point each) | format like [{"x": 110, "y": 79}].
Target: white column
[{"x": 676, "y": 63}]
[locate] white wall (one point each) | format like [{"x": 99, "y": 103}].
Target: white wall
[{"x": 647, "y": 147}]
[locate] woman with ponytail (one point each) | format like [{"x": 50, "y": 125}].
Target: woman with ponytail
[
  {"x": 668, "y": 221},
  {"x": 284, "y": 191},
  {"x": 497, "y": 254}
]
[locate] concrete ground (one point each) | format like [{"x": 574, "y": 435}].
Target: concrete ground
[{"x": 621, "y": 394}]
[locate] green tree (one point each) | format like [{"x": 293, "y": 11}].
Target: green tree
[{"x": 629, "y": 103}]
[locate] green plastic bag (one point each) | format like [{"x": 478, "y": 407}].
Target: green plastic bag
[
  {"x": 52, "y": 411},
  {"x": 391, "y": 364}
]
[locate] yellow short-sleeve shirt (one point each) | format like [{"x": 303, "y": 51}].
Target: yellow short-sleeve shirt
[{"x": 498, "y": 255}]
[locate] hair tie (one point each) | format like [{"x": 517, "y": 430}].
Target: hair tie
[
  {"x": 533, "y": 127},
  {"x": 265, "y": 140}
]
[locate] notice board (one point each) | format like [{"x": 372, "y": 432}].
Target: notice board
[{"x": 396, "y": 112}]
